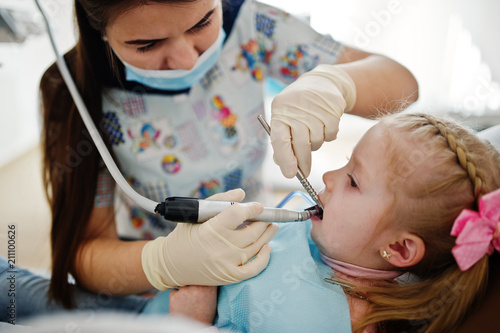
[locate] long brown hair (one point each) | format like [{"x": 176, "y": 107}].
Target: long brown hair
[
  {"x": 448, "y": 170},
  {"x": 70, "y": 158}
]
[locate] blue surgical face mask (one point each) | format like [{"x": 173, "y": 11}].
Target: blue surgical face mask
[{"x": 177, "y": 79}]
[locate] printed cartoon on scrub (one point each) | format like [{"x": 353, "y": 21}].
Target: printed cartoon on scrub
[
  {"x": 296, "y": 58},
  {"x": 224, "y": 125},
  {"x": 254, "y": 55},
  {"x": 147, "y": 140},
  {"x": 207, "y": 188}
]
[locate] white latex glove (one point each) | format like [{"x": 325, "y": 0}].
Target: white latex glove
[
  {"x": 211, "y": 253},
  {"x": 306, "y": 114}
]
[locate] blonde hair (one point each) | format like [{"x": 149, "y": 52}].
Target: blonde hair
[{"x": 436, "y": 169}]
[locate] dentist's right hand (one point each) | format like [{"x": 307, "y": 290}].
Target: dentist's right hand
[
  {"x": 307, "y": 113},
  {"x": 211, "y": 253}
]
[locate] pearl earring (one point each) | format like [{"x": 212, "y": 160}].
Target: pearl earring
[{"x": 386, "y": 255}]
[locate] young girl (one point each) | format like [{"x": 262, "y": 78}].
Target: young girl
[
  {"x": 175, "y": 87},
  {"x": 419, "y": 195}
]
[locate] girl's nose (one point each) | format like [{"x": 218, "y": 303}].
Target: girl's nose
[
  {"x": 180, "y": 53},
  {"x": 328, "y": 179}
]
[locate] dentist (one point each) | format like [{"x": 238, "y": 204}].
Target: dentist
[{"x": 175, "y": 87}]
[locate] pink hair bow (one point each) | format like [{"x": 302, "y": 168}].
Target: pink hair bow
[{"x": 477, "y": 232}]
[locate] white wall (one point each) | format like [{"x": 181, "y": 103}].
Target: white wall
[
  {"x": 451, "y": 46},
  {"x": 22, "y": 66}
]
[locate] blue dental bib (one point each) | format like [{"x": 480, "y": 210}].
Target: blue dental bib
[{"x": 290, "y": 295}]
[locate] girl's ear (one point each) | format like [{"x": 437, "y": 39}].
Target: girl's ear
[{"x": 407, "y": 251}]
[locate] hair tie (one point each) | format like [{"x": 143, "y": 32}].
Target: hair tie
[{"x": 477, "y": 232}]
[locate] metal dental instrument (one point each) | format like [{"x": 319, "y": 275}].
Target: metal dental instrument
[
  {"x": 182, "y": 209},
  {"x": 303, "y": 180}
]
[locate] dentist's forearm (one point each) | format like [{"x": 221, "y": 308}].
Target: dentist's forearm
[
  {"x": 111, "y": 266},
  {"x": 382, "y": 84}
]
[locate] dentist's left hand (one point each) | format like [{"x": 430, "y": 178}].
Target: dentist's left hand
[{"x": 212, "y": 253}]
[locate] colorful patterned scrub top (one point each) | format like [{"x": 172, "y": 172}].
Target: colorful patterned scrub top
[{"x": 207, "y": 140}]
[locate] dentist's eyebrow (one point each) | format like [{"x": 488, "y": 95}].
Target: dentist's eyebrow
[
  {"x": 149, "y": 41},
  {"x": 204, "y": 19},
  {"x": 143, "y": 41}
]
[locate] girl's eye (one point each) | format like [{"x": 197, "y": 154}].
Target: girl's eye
[
  {"x": 147, "y": 47},
  {"x": 353, "y": 182}
]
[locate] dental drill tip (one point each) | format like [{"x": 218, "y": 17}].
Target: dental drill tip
[{"x": 315, "y": 211}]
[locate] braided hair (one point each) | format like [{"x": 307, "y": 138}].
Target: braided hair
[{"x": 462, "y": 154}]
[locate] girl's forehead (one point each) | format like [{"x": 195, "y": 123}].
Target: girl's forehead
[
  {"x": 370, "y": 153},
  {"x": 376, "y": 138},
  {"x": 388, "y": 156}
]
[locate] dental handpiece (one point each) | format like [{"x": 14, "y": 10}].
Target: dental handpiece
[{"x": 192, "y": 210}]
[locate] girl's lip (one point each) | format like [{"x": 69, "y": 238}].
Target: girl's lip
[{"x": 315, "y": 218}]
